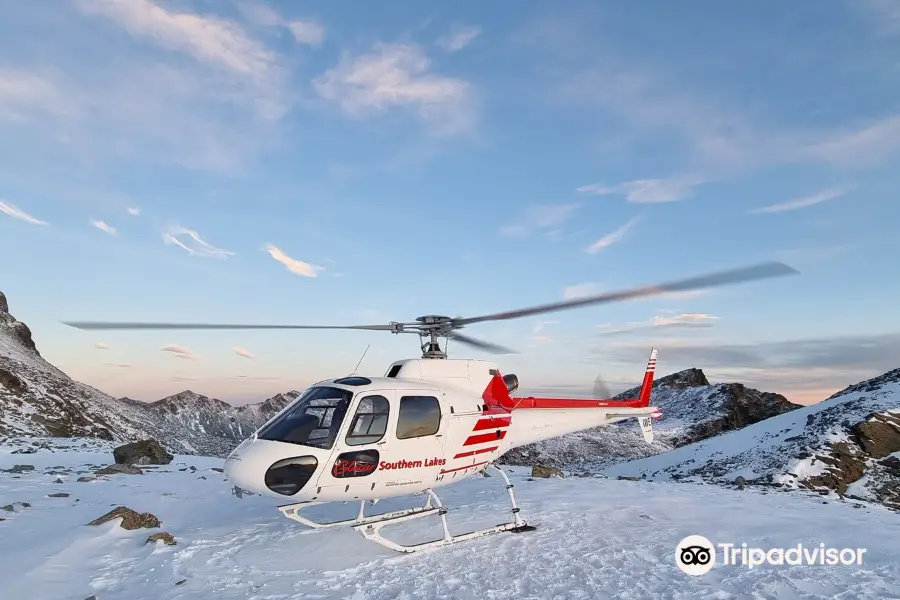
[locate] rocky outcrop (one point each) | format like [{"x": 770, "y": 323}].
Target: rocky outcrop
[
  {"x": 143, "y": 452},
  {"x": 689, "y": 378},
  {"x": 844, "y": 464},
  {"x": 879, "y": 435},
  {"x": 742, "y": 406},
  {"x": 545, "y": 472},
  {"x": 162, "y": 536},
  {"x": 875, "y": 437},
  {"x": 130, "y": 519}
]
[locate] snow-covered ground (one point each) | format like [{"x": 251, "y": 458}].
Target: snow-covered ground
[{"x": 597, "y": 538}]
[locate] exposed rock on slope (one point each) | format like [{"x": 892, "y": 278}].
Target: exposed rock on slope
[
  {"x": 848, "y": 444},
  {"x": 37, "y": 399},
  {"x": 693, "y": 409}
]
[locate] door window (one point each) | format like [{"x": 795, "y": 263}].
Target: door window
[
  {"x": 370, "y": 423},
  {"x": 419, "y": 416}
]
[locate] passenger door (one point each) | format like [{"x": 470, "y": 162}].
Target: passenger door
[{"x": 357, "y": 453}]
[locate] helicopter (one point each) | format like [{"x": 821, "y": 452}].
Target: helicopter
[{"x": 427, "y": 422}]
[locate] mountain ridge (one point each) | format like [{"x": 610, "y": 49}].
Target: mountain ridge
[
  {"x": 38, "y": 399},
  {"x": 848, "y": 445}
]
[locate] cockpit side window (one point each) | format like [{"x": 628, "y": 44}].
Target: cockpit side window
[
  {"x": 313, "y": 421},
  {"x": 370, "y": 423},
  {"x": 419, "y": 416}
]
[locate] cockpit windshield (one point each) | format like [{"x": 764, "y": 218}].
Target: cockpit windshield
[{"x": 313, "y": 421}]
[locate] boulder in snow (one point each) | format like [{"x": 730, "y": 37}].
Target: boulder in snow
[
  {"x": 130, "y": 518},
  {"x": 545, "y": 472},
  {"x": 143, "y": 452}
]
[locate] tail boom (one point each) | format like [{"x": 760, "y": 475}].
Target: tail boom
[{"x": 536, "y": 419}]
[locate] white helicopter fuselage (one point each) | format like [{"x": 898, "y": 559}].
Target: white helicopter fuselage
[{"x": 426, "y": 424}]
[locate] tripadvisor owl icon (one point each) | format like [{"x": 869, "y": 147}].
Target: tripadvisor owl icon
[{"x": 695, "y": 555}]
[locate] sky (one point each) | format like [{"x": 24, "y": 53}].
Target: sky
[{"x": 287, "y": 162}]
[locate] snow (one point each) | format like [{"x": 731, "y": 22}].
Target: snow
[{"x": 596, "y": 538}]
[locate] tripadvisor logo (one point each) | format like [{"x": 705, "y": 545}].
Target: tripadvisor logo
[{"x": 696, "y": 555}]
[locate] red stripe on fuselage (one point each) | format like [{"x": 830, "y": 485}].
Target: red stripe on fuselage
[
  {"x": 474, "y": 452},
  {"x": 461, "y": 468},
  {"x": 481, "y": 438},
  {"x": 492, "y": 423},
  {"x": 527, "y": 403}
]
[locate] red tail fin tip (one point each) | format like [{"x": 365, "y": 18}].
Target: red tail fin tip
[{"x": 647, "y": 385}]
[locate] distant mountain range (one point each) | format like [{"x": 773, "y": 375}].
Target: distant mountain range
[
  {"x": 37, "y": 399},
  {"x": 722, "y": 433}
]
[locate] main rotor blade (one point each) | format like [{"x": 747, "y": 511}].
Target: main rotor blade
[
  {"x": 760, "y": 271},
  {"x": 488, "y": 346},
  {"x": 110, "y": 325}
]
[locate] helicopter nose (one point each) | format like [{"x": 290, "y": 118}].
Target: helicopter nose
[
  {"x": 242, "y": 469},
  {"x": 270, "y": 468}
]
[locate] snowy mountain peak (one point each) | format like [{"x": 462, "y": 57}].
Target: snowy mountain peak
[
  {"x": 14, "y": 330},
  {"x": 189, "y": 399}
]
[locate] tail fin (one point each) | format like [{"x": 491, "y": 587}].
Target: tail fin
[{"x": 647, "y": 385}]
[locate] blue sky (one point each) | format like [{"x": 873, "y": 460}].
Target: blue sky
[{"x": 298, "y": 162}]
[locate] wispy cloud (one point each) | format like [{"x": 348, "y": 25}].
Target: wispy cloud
[
  {"x": 245, "y": 353},
  {"x": 208, "y": 39},
  {"x": 304, "y": 31},
  {"x": 179, "y": 351},
  {"x": 540, "y": 218},
  {"x": 102, "y": 226},
  {"x": 722, "y": 138},
  {"x": 647, "y": 191},
  {"x": 100, "y": 346},
  {"x": 17, "y": 213},
  {"x": 799, "y": 203},
  {"x": 611, "y": 238},
  {"x": 397, "y": 75},
  {"x": 458, "y": 38},
  {"x": 206, "y": 94},
  {"x": 134, "y": 212},
  {"x": 297, "y": 267},
  {"x": 24, "y": 91},
  {"x": 678, "y": 321},
  {"x": 854, "y": 146},
  {"x": 307, "y": 32},
  {"x": 192, "y": 243},
  {"x": 580, "y": 290},
  {"x": 122, "y": 365}
]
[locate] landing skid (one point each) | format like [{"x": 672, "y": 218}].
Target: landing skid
[
  {"x": 370, "y": 527},
  {"x": 292, "y": 511}
]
